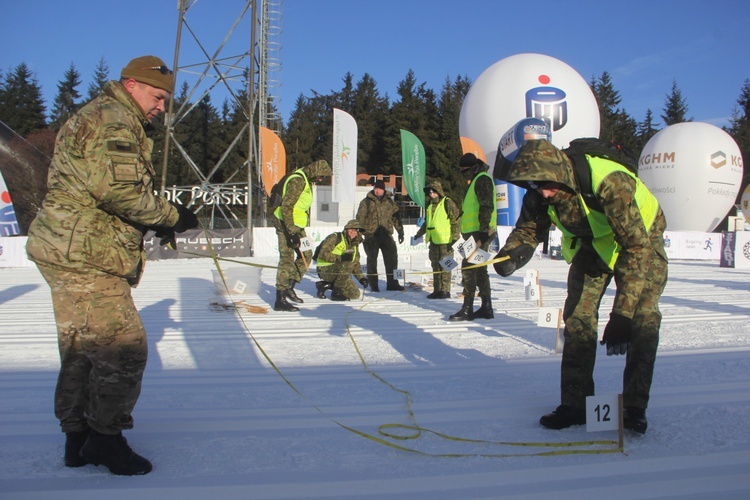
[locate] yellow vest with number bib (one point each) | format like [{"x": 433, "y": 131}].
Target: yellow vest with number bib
[{"x": 337, "y": 250}]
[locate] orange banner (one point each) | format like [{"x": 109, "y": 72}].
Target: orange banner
[
  {"x": 272, "y": 157},
  {"x": 471, "y": 146}
]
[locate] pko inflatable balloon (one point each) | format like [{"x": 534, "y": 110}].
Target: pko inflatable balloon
[
  {"x": 695, "y": 170},
  {"x": 528, "y": 86}
]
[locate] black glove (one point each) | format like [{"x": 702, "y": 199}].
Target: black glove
[
  {"x": 166, "y": 237},
  {"x": 347, "y": 257},
  {"x": 617, "y": 334},
  {"x": 519, "y": 257},
  {"x": 363, "y": 282},
  {"x": 187, "y": 220},
  {"x": 401, "y": 237},
  {"x": 293, "y": 240}
]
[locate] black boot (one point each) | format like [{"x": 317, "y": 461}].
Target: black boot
[
  {"x": 435, "y": 294},
  {"x": 292, "y": 295},
  {"x": 564, "y": 416},
  {"x": 281, "y": 302},
  {"x": 394, "y": 285},
  {"x": 338, "y": 296},
  {"x": 634, "y": 419},
  {"x": 73, "y": 443},
  {"x": 373, "y": 283},
  {"x": 113, "y": 452},
  {"x": 322, "y": 286},
  {"x": 485, "y": 310},
  {"x": 466, "y": 313}
]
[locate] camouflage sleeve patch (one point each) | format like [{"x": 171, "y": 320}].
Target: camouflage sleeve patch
[{"x": 124, "y": 158}]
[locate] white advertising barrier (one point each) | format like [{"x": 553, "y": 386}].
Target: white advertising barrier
[
  {"x": 13, "y": 252},
  {"x": 679, "y": 245},
  {"x": 735, "y": 250}
]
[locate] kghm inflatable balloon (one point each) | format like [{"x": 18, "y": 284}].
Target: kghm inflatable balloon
[{"x": 695, "y": 170}]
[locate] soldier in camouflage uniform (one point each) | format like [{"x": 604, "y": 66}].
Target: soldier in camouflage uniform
[
  {"x": 338, "y": 259},
  {"x": 379, "y": 214},
  {"x": 478, "y": 221},
  {"x": 442, "y": 228},
  {"x": 624, "y": 241},
  {"x": 290, "y": 220},
  {"x": 87, "y": 241}
]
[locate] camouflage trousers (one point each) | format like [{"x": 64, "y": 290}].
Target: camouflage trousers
[
  {"x": 103, "y": 350},
  {"x": 587, "y": 282},
  {"x": 441, "y": 280},
  {"x": 292, "y": 267},
  {"x": 380, "y": 242},
  {"x": 477, "y": 277},
  {"x": 340, "y": 275}
]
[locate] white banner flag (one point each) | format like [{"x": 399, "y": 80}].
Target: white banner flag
[{"x": 344, "y": 162}]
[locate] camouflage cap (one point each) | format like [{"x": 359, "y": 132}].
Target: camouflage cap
[
  {"x": 319, "y": 168},
  {"x": 540, "y": 161},
  {"x": 150, "y": 70},
  {"x": 354, "y": 224}
]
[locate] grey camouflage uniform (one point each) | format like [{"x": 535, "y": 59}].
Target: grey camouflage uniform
[
  {"x": 87, "y": 241},
  {"x": 380, "y": 216},
  {"x": 640, "y": 272}
]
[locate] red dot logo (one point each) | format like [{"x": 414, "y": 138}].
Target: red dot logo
[
  {"x": 5, "y": 196},
  {"x": 544, "y": 79}
]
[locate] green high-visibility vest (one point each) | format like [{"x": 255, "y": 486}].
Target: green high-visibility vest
[
  {"x": 604, "y": 238},
  {"x": 470, "y": 207},
  {"x": 299, "y": 213},
  {"x": 438, "y": 225},
  {"x": 337, "y": 250}
]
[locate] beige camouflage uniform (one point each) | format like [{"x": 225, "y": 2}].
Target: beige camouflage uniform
[
  {"x": 87, "y": 241},
  {"x": 293, "y": 264},
  {"x": 640, "y": 272}
]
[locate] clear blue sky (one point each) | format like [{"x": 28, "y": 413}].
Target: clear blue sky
[{"x": 703, "y": 45}]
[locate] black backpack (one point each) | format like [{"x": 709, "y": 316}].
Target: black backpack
[
  {"x": 277, "y": 193},
  {"x": 577, "y": 151}
]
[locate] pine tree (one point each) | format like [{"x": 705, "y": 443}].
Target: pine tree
[
  {"x": 21, "y": 103},
  {"x": 607, "y": 98},
  {"x": 646, "y": 129},
  {"x": 739, "y": 129},
  {"x": 101, "y": 77},
  {"x": 675, "y": 107},
  {"x": 65, "y": 104}
]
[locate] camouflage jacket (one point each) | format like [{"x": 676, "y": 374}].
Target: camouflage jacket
[
  {"x": 101, "y": 195},
  {"x": 374, "y": 212},
  {"x": 331, "y": 241},
  {"x": 639, "y": 245}
]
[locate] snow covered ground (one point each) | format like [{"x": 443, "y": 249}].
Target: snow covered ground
[{"x": 288, "y": 405}]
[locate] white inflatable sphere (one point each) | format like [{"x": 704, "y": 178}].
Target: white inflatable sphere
[
  {"x": 528, "y": 86},
  {"x": 695, "y": 170},
  {"x": 745, "y": 203}
]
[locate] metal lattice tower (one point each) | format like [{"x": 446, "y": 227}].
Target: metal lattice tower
[{"x": 249, "y": 79}]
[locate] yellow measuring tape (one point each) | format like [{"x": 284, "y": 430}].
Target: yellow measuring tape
[{"x": 414, "y": 431}]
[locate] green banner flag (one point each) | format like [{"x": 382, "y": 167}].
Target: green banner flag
[{"x": 413, "y": 160}]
